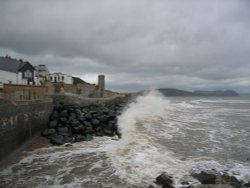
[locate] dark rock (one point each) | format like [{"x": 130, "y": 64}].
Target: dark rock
[
  {"x": 64, "y": 113},
  {"x": 168, "y": 186},
  {"x": 94, "y": 116},
  {"x": 247, "y": 184},
  {"x": 112, "y": 122},
  {"x": 103, "y": 118},
  {"x": 99, "y": 128},
  {"x": 119, "y": 134},
  {"x": 99, "y": 133},
  {"x": 60, "y": 125},
  {"x": 226, "y": 179},
  {"x": 81, "y": 118},
  {"x": 63, "y": 119},
  {"x": 151, "y": 186},
  {"x": 48, "y": 132},
  {"x": 67, "y": 138},
  {"x": 51, "y": 131},
  {"x": 79, "y": 130},
  {"x": 54, "y": 115},
  {"x": 78, "y": 112},
  {"x": 210, "y": 186},
  {"x": 72, "y": 116},
  {"x": 87, "y": 124},
  {"x": 185, "y": 183},
  {"x": 75, "y": 123},
  {"x": 63, "y": 129},
  {"x": 95, "y": 122},
  {"x": 80, "y": 138},
  {"x": 88, "y": 116},
  {"x": 89, "y": 130},
  {"x": 89, "y": 137},
  {"x": 53, "y": 124},
  {"x": 108, "y": 132},
  {"x": 205, "y": 178},
  {"x": 112, "y": 116},
  {"x": 164, "y": 179},
  {"x": 68, "y": 144},
  {"x": 58, "y": 140}
]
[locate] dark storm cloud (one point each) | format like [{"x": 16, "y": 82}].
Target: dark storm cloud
[{"x": 137, "y": 44}]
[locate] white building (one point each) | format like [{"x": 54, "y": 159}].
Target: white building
[
  {"x": 13, "y": 71},
  {"x": 42, "y": 73},
  {"x": 60, "y": 77}
]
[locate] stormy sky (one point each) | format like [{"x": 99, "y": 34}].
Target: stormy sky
[{"x": 137, "y": 44}]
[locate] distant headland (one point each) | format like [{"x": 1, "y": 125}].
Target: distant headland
[{"x": 182, "y": 93}]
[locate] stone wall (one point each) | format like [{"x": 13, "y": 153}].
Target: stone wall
[
  {"x": 61, "y": 87},
  {"x": 24, "y": 92},
  {"x": 87, "y": 90},
  {"x": 18, "y": 123}
]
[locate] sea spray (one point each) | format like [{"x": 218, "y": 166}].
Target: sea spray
[
  {"x": 137, "y": 157},
  {"x": 145, "y": 107}
]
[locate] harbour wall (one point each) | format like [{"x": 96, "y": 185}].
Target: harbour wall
[{"x": 20, "y": 122}]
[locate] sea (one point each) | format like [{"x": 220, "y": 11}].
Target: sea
[{"x": 176, "y": 135}]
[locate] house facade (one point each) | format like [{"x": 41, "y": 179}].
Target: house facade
[
  {"x": 13, "y": 71},
  {"x": 60, "y": 77}
]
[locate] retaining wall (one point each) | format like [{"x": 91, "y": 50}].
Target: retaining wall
[{"x": 18, "y": 123}]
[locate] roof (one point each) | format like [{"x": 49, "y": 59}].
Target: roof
[
  {"x": 77, "y": 80},
  {"x": 11, "y": 65},
  {"x": 58, "y": 74}
]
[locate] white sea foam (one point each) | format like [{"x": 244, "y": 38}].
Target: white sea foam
[{"x": 139, "y": 157}]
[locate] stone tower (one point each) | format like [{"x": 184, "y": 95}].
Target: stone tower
[{"x": 101, "y": 85}]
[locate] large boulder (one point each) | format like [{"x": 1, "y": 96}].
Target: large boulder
[
  {"x": 64, "y": 113},
  {"x": 79, "y": 129},
  {"x": 108, "y": 132},
  {"x": 212, "y": 186},
  {"x": 53, "y": 123},
  {"x": 205, "y": 178},
  {"x": 54, "y": 115},
  {"x": 72, "y": 116},
  {"x": 79, "y": 138},
  {"x": 95, "y": 122},
  {"x": 48, "y": 132},
  {"x": 57, "y": 140},
  {"x": 231, "y": 180},
  {"x": 165, "y": 180},
  {"x": 247, "y": 184}
]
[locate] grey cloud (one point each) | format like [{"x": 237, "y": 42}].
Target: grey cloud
[{"x": 186, "y": 44}]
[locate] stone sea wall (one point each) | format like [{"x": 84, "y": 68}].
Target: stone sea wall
[{"x": 19, "y": 123}]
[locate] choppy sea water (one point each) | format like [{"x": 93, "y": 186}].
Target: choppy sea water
[{"x": 174, "y": 135}]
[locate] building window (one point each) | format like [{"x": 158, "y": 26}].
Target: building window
[
  {"x": 62, "y": 78},
  {"x": 28, "y": 74}
]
